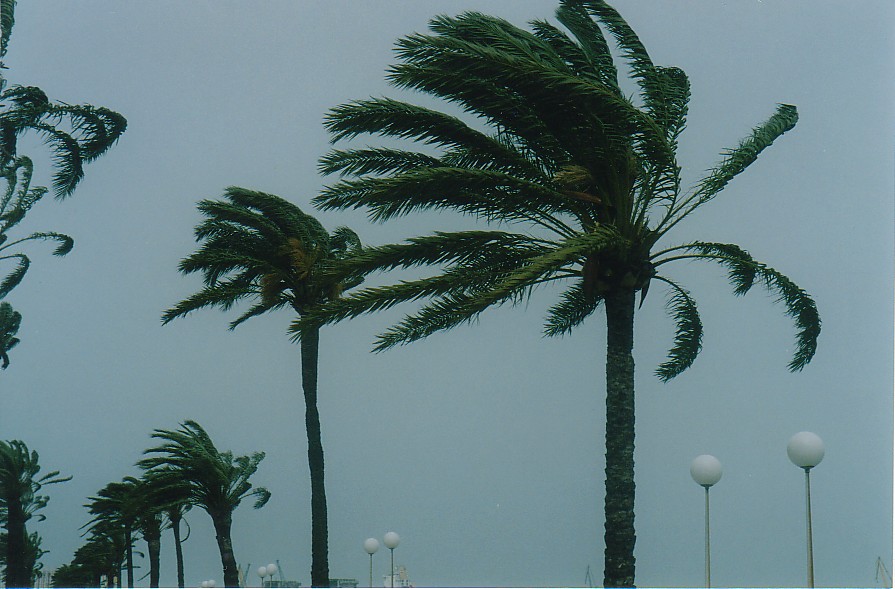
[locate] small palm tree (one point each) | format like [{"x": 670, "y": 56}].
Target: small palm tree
[
  {"x": 261, "y": 247},
  {"x": 9, "y": 327},
  {"x": 588, "y": 173},
  {"x": 218, "y": 481},
  {"x": 19, "y": 502}
]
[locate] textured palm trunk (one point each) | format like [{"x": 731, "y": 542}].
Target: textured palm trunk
[
  {"x": 153, "y": 539},
  {"x": 310, "y": 342},
  {"x": 178, "y": 547},
  {"x": 16, "y": 573},
  {"x": 222, "y": 524},
  {"x": 619, "y": 506}
]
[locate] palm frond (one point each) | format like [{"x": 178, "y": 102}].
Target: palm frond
[
  {"x": 574, "y": 17},
  {"x": 743, "y": 271},
  {"x": 15, "y": 277},
  {"x": 688, "y": 334},
  {"x": 734, "y": 162},
  {"x": 575, "y": 305}
]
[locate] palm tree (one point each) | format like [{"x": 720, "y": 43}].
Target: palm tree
[
  {"x": 9, "y": 327},
  {"x": 218, "y": 481},
  {"x": 19, "y": 502},
  {"x": 171, "y": 498},
  {"x": 590, "y": 174},
  {"x": 261, "y": 247},
  {"x": 101, "y": 555}
]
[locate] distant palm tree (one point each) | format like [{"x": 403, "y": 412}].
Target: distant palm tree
[
  {"x": 261, "y": 247},
  {"x": 589, "y": 173},
  {"x": 19, "y": 502},
  {"x": 218, "y": 481},
  {"x": 101, "y": 555},
  {"x": 9, "y": 326},
  {"x": 171, "y": 498},
  {"x": 117, "y": 507}
]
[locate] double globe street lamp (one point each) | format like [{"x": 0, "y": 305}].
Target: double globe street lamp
[
  {"x": 270, "y": 570},
  {"x": 371, "y": 545}
]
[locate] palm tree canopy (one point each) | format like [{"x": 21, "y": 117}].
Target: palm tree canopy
[
  {"x": 261, "y": 247},
  {"x": 19, "y": 480},
  {"x": 9, "y": 327},
  {"x": 217, "y": 481},
  {"x": 553, "y": 146}
]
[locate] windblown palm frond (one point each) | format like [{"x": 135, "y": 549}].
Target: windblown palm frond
[{"x": 15, "y": 202}]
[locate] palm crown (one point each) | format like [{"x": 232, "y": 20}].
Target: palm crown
[
  {"x": 590, "y": 172},
  {"x": 262, "y": 247}
]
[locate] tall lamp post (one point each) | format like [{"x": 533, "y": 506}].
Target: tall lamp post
[
  {"x": 391, "y": 541},
  {"x": 706, "y": 471},
  {"x": 371, "y": 545},
  {"x": 806, "y": 450}
]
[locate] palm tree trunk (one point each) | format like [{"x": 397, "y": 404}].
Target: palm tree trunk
[
  {"x": 129, "y": 557},
  {"x": 310, "y": 343},
  {"x": 154, "y": 545},
  {"x": 619, "y": 506},
  {"x": 222, "y": 524},
  {"x": 178, "y": 548},
  {"x": 16, "y": 575}
]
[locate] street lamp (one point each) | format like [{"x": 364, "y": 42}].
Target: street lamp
[
  {"x": 391, "y": 541},
  {"x": 371, "y": 545},
  {"x": 706, "y": 471},
  {"x": 208, "y": 584},
  {"x": 806, "y": 450}
]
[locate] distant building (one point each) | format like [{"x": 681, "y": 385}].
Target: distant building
[
  {"x": 400, "y": 579},
  {"x": 343, "y": 582}
]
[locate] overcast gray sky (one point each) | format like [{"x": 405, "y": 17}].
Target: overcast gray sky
[{"x": 482, "y": 447}]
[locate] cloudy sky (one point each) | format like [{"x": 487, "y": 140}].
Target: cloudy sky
[{"x": 482, "y": 447}]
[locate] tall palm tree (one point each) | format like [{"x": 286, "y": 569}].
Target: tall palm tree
[
  {"x": 20, "y": 500},
  {"x": 261, "y": 247},
  {"x": 590, "y": 175},
  {"x": 218, "y": 481},
  {"x": 9, "y": 327}
]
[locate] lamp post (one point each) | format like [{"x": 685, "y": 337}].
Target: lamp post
[
  {"x": 371, "y": 545},
  {"x": 806, "y": 450},
  {"x": 706, "y": 471},
  {"x": 391, "y": 541}
]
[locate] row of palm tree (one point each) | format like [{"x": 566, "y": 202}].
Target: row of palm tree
[
  {"x": 185, "y": 470},
  {"x": 553, "y": 147},
  {"x": 75, "y": 134}
]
